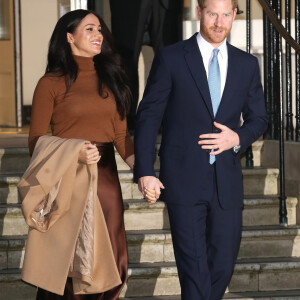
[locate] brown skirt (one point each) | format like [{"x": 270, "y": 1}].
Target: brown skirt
[{"x": 110, "y": 197}]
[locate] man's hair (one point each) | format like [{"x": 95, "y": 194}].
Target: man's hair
[{"x": 201, "y": 3}]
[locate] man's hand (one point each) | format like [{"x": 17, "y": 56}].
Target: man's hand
[
  {"x": 224, "y": 140},
  {"x": 150, "y": 187}
]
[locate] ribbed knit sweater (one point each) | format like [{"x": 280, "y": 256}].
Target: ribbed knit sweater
[{"x": 82, "y": 113}]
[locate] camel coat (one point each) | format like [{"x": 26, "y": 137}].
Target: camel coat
[{"x": 67, "y": 230}]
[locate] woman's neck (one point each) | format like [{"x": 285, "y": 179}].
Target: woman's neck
[{"x": 84, "y": 63}]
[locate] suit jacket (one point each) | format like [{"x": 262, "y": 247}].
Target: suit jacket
[
  {"x": 67, "y": 191},
  {"x": 177, "y": 92}
]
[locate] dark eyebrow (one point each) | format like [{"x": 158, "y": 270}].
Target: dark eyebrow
[
  {"x": 210, "y": 11},
  {"x": 92, "y": 25}
]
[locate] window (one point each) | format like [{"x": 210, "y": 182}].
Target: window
[{"x": 4, "y": 20}]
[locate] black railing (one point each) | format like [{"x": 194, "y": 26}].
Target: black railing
[
  {"x": 288, "y": 79},
  {"x": 278, "y": 79},
  {"x": 249, "y": 153},
  {"x": 297, "y": 34}
]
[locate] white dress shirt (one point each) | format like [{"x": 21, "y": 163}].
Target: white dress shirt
[{"x": 206, "y": 50}]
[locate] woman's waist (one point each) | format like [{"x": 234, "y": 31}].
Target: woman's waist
[
  {"x": 104, "y": 148},
  {"x": 96, "y": 136}
]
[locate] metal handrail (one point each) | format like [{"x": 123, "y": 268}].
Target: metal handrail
[
  {"x": 268, "y": 9},
  {"x": 274, "y": 31}
]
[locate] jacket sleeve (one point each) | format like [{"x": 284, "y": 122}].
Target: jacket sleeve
[
  {"x": 149, "y": 117},
  {"x": 254, "y": 113}
]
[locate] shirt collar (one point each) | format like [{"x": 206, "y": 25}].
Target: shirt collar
[{"x": 206, "y": 48}]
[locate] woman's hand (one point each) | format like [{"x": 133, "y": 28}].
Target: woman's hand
[
  {"x": 89, "y": 154},
  {"x": 150, "y": 195},
  {"x": 130, "y": 161}
]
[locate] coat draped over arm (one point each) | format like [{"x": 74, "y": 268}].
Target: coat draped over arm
[{"x": 67, "y": 235}]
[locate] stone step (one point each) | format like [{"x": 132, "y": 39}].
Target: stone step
[
  {"x": 257, "y": 181},
  {"x": 273, "y": 295},
  {"x": 260, "y": 211},
  {"x": 257, "y": 148},
  {"x": 154, "y": 246},
  {"x": 268, "y": 241},
  {"x": 160, "y": 279},
  {"x": 12, "y": 250},
  {"x": 276, "y": 295},
  {"x": 252, "y": 276},
  {"x": 266, "y": 274},
  {"x": 12, "y": 288},
  {"x": 8, "y": 188},
  {"x": 257, "y": 211},
  {"x": 13, "y": 160},
  {"x": 16, "y": 159},
  {"x": 141, "y": 216},
  {"x": 22, "y": 291},
  {"x": 9, "y": 182},
  {"x": 12, "y": 221},
  {"x": 260, "y": 181}
]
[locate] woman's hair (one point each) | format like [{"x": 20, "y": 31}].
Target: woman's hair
[{"x": 108, "y": 63}]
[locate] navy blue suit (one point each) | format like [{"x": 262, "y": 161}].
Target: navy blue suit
[{"x": 204, "y": 201}]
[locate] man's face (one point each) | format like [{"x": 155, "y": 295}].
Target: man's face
[{"x": 216, "y": 20}]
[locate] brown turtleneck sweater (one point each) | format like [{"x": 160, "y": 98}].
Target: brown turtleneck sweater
[{"x": 81, "y": 114}]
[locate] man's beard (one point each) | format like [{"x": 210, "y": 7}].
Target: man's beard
[{"x": 208, "y": 34}]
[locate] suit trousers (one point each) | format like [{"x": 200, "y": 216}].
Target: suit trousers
[
  {"x": 110, "y": 197},
  {"x": 206, "y": 241}
]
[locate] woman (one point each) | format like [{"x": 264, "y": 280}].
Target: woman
[{"x": 84, "y": 95}]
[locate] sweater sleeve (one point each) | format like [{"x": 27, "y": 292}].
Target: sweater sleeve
[
  {"x": 42, "y": 109},
  {"x": 123, "y": 141}
]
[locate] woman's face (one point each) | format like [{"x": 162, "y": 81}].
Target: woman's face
[{"x": 87, "y": 38}]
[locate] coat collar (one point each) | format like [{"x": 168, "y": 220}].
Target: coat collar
[
  {"x": 230, "y": 83},
  {"x": 195, "y": 63}
]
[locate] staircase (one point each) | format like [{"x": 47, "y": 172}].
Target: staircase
[{"x": 268, "y": 266}]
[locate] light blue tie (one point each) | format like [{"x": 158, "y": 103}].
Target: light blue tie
[{"x": 214, "y": 83}]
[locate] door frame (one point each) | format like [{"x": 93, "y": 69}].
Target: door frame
[{"x": 18, "y": 64}]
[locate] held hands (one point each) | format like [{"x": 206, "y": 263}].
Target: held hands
[
  {"x": 150, "y": 187},
  {"x": 89, "y": 154},
  {"x": 224, "y": 140}
]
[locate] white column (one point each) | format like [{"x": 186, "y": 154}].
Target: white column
[
  {"x": 77, "y": 4},
  {"x": 18, "y": 70},
  {"x": 194, "y": 4}
]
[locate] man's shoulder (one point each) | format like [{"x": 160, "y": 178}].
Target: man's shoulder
[{"x": 240, "y": 54}]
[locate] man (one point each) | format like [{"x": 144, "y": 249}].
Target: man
[
  {"x": 199, "y": 88},
  {"x": 134, "y": 23}
]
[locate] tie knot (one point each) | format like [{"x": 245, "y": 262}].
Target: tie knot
[{"x": 216, "y": 51}]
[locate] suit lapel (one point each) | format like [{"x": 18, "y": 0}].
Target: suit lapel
[
  {"x": 195, "y": 63},
  {"x": 226, "y": 100}
]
